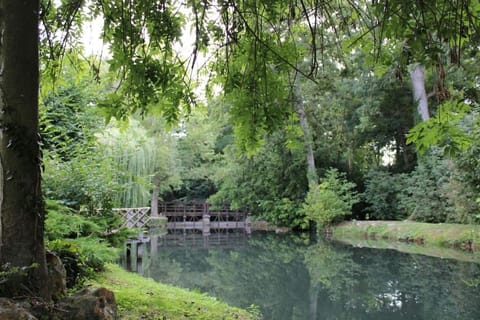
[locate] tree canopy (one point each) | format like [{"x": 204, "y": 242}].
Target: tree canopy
[{"x": 259, "y": 47}]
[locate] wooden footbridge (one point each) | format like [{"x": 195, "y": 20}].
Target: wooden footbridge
[{"x": 187, "y": 216}]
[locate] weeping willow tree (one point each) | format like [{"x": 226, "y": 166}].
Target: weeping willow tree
[{"x": 145, "y": 159}]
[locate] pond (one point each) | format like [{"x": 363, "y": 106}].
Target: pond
[{"x": 296, "y": 277}]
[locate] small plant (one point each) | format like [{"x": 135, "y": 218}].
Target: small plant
[
  {"x": 332, "y": 200},
  {"x": 255, "y": 311},
  {"x": 7, "y": 272}
]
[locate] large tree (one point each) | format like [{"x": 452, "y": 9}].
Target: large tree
[
  {"x": 428, "y": 36},
  {"x": 21, "y": 207}
]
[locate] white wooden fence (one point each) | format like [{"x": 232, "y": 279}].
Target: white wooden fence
[{"x": 134, "y": 217}]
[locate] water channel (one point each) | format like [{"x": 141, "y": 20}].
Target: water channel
[{"x": 296, "y": 277}]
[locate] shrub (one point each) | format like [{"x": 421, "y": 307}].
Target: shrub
[
  {"x": 330, "y": 201},
  {"x": 424, "y": 197},
  {"x": 63, "y": 222},
  {"x": 283, "y": 212},
  {"x": 82, "y": 257},
  {"x": 82, "y": 243},
  {"x": 436, "y": 191}
]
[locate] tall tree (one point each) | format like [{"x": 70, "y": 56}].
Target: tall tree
[
  {"x": 21, "y": 206},
  {"x": 431, "y": 34},
  {"x": 302, "y": 115}
]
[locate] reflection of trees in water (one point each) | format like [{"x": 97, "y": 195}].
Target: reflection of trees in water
[
  {"x": 183, "y": 267},
  {"x": 164, "y": 269},
  {"x": 269, "y": 273},
  {"x": 332, "y": 277},
  {"x": 289, "y": 278},
  {"x": 380, "y": 284}
]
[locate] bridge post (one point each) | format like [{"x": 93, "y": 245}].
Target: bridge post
[
  {"x": 156, "y": 221},
  {"x": 206, "y": 224},
  {"x": 154, "y": 203},
  {"x": 133, "y": 256},
  {"x": 248, "y": 224}
]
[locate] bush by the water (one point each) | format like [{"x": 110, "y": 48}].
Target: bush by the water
[
  {"x": 63, "y": 222},
  {"x": 384, "y": 194},
  {"x": 332, "y": 200}
]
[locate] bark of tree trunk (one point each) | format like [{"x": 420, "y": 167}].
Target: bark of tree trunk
[
  {"x": 312, "y": 176},
  {"x": 21, "y": 204},
  {"x": 417, "y": 75},
  {"x": 154, "y": 202},
  {"x": 311, "y": 167}
]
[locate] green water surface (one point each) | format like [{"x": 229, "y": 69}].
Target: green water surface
[{"x": 297, "y": 277}]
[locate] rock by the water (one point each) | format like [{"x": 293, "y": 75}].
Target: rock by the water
[
  {"x": 11, "y": 311},
  {"x": 57, "y": 276},
  {"x": 88, "y": 304}
]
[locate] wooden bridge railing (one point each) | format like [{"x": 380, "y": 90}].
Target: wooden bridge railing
[
  {"x": 191, "y": 211},
  {"x": 188, "y": 215}
]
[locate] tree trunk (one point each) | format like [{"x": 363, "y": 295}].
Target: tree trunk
[
  {"x": 311, "y": 167},
  {"x": 154, "y": 202},
  {"x": 417, "y": 75},
  {"x": 21, "y": 206},
  {"x": 314, "y": 302}
]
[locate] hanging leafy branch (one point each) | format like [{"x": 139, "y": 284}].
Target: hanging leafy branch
[
  {"x": 60, "y": 31},
  {"x": 444, "y": 130},
  {"x": 141, "y": 35},
  {"x": 262, "y": 41}
]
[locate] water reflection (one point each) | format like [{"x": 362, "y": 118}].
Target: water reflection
[{"x": 294, "y": 277}]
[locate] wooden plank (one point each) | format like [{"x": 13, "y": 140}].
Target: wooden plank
[{"x": 213, "y": 225}]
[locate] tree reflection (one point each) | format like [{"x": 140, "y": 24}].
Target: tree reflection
[
  {"x": 362, "y": 283},
  {"x": 291, "y": 278}
]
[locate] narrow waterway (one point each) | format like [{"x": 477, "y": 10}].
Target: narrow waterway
[{"x": 296, "y": 277}]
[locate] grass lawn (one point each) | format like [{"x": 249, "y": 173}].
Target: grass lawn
[
  {"x": 457, "y": 241},
  {"x": 141, "y": 298}
]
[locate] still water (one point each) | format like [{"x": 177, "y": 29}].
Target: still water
[{"x": 294, "y": 277}]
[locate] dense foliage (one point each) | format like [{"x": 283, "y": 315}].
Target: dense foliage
[
  {"x": 298, "y": 97},
  {"x": 83, "y": 244}
]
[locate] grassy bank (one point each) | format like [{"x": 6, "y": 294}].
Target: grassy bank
[
  {"x": 141, "y": 298},
  {"x": 455, "y": 240}
]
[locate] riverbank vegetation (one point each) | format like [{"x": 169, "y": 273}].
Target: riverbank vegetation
[
  {"x": 200, "y": 160},
  {"x": 445, "y": 235},
  {"x": 141, "y": 298},
  {"x": 375, "y": 157}
]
